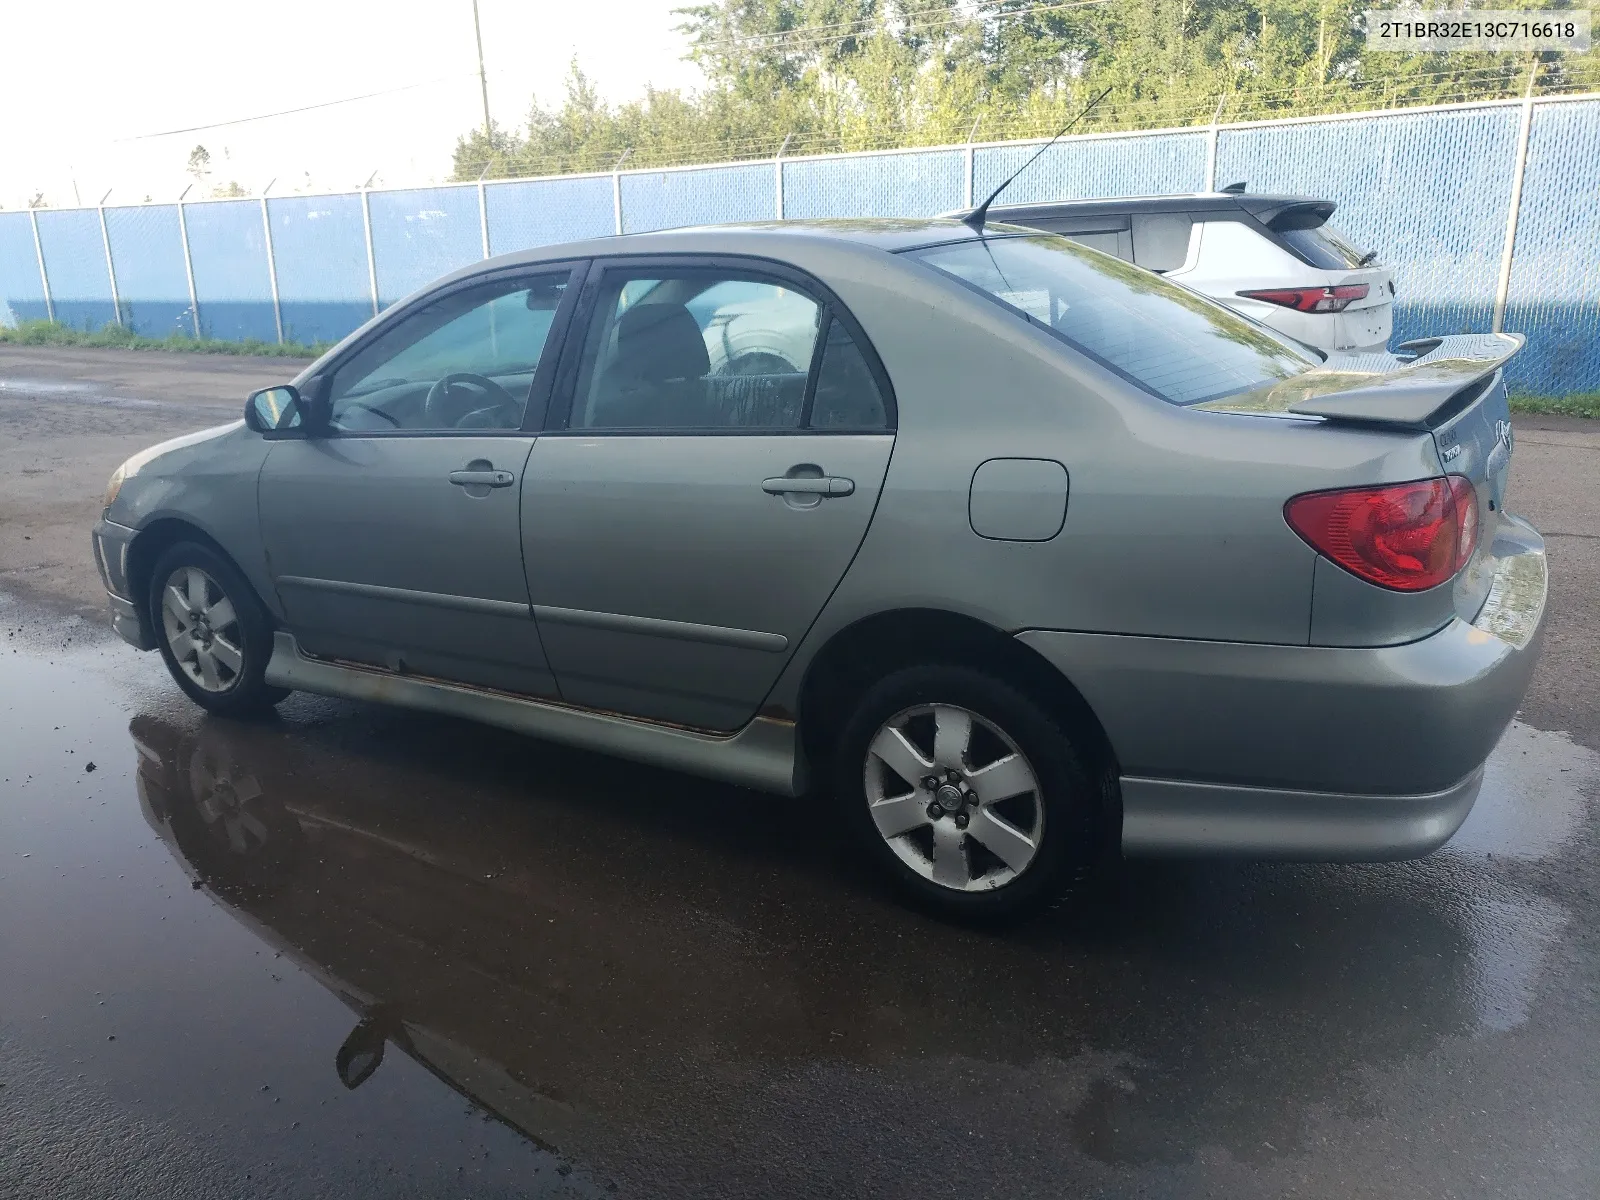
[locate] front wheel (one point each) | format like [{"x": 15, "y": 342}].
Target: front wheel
[
  {"x": 973, "y": 797},
  {"x": 214, "y": 633}
]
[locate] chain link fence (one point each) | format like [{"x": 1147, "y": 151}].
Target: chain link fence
[{"x": 1487, "y": 212}]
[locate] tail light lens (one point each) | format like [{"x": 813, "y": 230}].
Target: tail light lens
[
  {"x": 1312, "y": 299},
  {"x": 1404, "y": 536}
]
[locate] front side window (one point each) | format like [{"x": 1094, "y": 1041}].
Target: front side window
[
  {"x": 464, "y": 362},
  {"x": 1173, "y": 343}
]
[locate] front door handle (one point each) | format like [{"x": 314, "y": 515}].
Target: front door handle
[
  {"x": 808, "y": 485},
  {"x": 482, "y": 478}
]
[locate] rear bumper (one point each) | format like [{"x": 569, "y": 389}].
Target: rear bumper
[
  {"x": 110, "y": 542},
  {"x": 1308, "y": 751},
  {"x": 1165, "y": 817}
]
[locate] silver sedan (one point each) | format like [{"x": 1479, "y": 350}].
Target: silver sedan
[{"x": 1018, "y": 552}]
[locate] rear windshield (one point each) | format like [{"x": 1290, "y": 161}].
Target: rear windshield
[
  {"x": 1175, "y": 344},
  {"x": 1327, "y": 248}
]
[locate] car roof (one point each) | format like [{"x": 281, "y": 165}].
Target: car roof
[
  {"x": 1261, "y": 206},
  {"x": 793, "y": 241},
  {"x": 880, "y": 233}
]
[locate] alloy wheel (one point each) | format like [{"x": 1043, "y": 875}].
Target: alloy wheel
[
  {"x": 954, "y": 797},
  {"x": 202, "y": 629}
]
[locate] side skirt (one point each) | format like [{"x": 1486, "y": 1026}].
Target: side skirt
[{"x": 763, "y": 755}]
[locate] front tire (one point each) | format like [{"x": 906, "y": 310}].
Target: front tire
[
  {"x": 213, "y": 631},
  {"x": 974, "y": 799}
]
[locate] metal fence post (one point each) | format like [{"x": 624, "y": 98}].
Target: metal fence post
[
  {"x": 483, "y": 210},
  {"x": 44, "y": 275},
  {"x": 616, "y": 189},
  {"x": 366, "y": 232},
  {"x": 111, "y": 267},
  {"x": 272, "y": 264},
  {"x": 969, "y": 165},
  {"x": 1211, "y": 146},
  {"x": 188, "y": 266},
  {"x": 1503, "y": 286},
  {"x": 777, "y": 174}
]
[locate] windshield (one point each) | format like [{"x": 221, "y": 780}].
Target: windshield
[{"x": 1175, "y": 344}]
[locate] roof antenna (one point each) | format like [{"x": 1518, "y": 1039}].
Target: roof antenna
[{"x": 974, "y": 220}]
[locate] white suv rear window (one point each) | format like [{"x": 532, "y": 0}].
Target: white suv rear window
[{"x": 1327, "y": 248}]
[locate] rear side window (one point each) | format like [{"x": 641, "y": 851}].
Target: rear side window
[
  {"x": 1108, "y": 234},
  {"x": 1161, "y": 240},
  {"x": 847, "y": 395},
  {"x": 1171, "y": 342},
  {"x": 702, "y": 349},
  {"x": 1326, "y": 247}
]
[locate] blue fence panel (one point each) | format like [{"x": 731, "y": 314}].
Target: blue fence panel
[
  {"x": 75, "y": 260},
  {"x": 1428, "y": 191},
  {"x": 228, "y": 250},
  {"x": 147, "y": 252},
  {"x": 320, "y": 251},
  {"x": 21, "y": 289},
  {"x": 420, "y": 235},
  {"x": 1555, "y": 277},
  {"x": 1154, "y": 165},
  {"x": 709, "y": 196},
  {"x": 919, "y": 184},
  {"x": 547, "y": 211}
]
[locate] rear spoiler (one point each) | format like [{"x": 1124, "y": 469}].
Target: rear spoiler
[
  {"x": 1411, "y": 388},
  {"x": 1299, "y": 214}
]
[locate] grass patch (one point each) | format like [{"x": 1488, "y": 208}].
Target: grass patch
[
  {"x": 1576, "y": 404},
  {"x": 53, "y": 333}
]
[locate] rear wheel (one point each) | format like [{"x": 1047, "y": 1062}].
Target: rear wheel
[
  {"x": 214, "y": 634},
  {"x": 972, "y": 796}
]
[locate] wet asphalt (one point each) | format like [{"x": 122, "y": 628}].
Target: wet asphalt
[{"x": 350, "y": 951}]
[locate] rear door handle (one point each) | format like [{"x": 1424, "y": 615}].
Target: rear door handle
[
  {"x": 809, "y": 485},
  {"x": 493, "y": 479}
]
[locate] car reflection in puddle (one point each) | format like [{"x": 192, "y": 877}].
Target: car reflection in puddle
[{"x": 614, "y": 1011}]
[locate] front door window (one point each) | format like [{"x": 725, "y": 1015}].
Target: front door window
[{"x": 465, "y": 362}]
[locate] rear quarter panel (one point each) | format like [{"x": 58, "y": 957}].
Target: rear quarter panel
[{"x": 1174, "y": 523}]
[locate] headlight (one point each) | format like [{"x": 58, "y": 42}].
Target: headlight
[{"x": 114, "y": 485}]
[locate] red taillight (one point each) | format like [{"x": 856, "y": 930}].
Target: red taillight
[
  {"x": 1313, "y": 299},
  {"x": 1404, "y": 536}
]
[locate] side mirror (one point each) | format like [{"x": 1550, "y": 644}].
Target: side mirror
[
  {"x": 274, "y": 408},
  {"x": 361, "y": 1054}
]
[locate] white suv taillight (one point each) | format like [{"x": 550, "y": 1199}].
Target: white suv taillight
[{"x": 1312, "y": 299}]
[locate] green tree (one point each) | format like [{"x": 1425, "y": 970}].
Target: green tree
[{"x": 861, "y": 74}]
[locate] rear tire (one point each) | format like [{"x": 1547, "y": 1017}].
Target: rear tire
[
  {"x": 213, "y": 632},
  {"x": 1019, "y": 812}
]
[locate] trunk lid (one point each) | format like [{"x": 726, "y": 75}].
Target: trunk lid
[{"x": 1476, "y": 441}]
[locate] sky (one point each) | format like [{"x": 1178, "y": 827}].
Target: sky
[{"x": 85, "y": 82}]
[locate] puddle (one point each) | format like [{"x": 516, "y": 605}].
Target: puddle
[
  {"x": 85, "y": 393},
  {"x": 1534, "y": 798},
  {"x": 390, "y": 945}
]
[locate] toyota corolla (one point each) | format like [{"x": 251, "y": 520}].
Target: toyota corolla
[{"x": 1018, "y": 552}]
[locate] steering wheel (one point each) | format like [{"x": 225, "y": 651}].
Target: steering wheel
[{"x": 442, "y": 411}]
